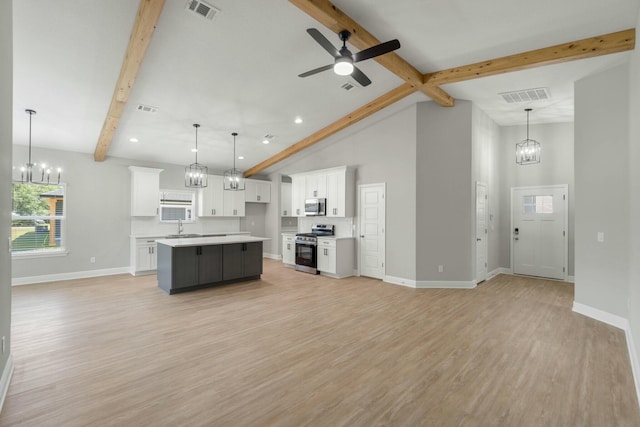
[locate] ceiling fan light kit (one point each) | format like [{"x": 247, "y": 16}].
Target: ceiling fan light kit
[
  {"x": 344, "y": 59},
  {"x": 528, "y": 150},
  {"x": 233, "y": 178},
  {"x": 196, "y": 174},
  {"x": 28, "y": 169}
]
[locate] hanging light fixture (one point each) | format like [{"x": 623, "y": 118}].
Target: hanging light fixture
[
  {"x": 27, "y": 171},
  {"x": 195, "y": 175},
  {"x": 233, "y": 178},
  {"x": 528, "y": 151}
]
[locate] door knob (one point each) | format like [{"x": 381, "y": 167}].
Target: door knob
[{"x": 477, "y": 240}]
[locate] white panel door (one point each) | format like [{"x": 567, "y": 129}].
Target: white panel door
[
  {"x": 481, "y": 232},
  {"x": 538, "y": 231},
  {"x": 372, "y": 225}
]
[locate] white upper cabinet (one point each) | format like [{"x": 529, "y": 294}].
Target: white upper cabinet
[
  {"x": 145, "y": 186},
  {"x": 210, "y": 200},
  {"x": 257, "y": 191},
  {"x": 213, "y": 201},
  {"x": 337, "y": 185},
  {"x": 285, "y": 199}
]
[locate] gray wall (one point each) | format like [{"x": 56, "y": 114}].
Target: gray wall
[
  {"x": 602, "y": 190},
  {"x": 6, "y": 138},
  {"x": 633, "y": 302},
  {"x": 556, "y": 167},
  {"x": 382, "y": 149},
  {"x": 444, "y": 192}
]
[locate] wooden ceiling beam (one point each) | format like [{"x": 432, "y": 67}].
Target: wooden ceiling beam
[
  {"x": 363, "y": 112},
  {"x": 606, "y": 44},
  {"x": 146, "y": 20},
  {"x": 336, "y": 20}
]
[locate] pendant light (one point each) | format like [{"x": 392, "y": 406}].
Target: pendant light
[
  {"x": 233, "y": 178},
  {"x": 27, "y": 171},
  {"x": 528, "y": 151},
  {"x": 196, "y": 174}
]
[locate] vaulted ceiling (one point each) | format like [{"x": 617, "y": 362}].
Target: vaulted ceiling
[{"x": 238, "y": 72}]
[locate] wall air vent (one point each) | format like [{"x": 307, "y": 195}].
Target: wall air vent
[
  {"x": 146, "y": 108},
  {"x": 202, "y": 9},
  {"x": 526, "y": 95}
]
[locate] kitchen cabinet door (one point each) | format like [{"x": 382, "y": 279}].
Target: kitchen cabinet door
[
  {"x": 257, "y": 191},
  {"x": 326, "y": 258},
  {"x": 289, "y": 249},
  {"x": 184, "y": 267},
  {"x": 252, "y": 259},
  {"x": 209, "y": 264},
  {"x": 285, "y": 199},
  {"x": 232, "y": 262},
  {"x": 145, "y": 188},
  {"x": 316, "y": 186},
  {"x": 298, "y": 191},
  {"x": 210, "y": 198},
  {"x": 234, "y": 203}
]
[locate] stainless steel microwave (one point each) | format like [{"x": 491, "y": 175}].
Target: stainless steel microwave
[{"x": 315, "y": 207}]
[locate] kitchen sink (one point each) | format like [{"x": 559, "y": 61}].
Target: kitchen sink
[{"x": 181, "y": 236}]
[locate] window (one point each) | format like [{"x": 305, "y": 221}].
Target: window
[
  {"x": 538, "y": 204},
  {"x": 38, "y": 219}
]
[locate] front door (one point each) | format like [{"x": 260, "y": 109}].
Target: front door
[
  {"x": 372, "y": 225},
  {"x": 538, "y": 231}
]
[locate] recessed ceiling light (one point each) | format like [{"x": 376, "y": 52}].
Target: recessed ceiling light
[
  {"x": 265, "y": 141},
  {"x": 298, "y": 120},
  {"x": 240, "y": 157},
  {"x": 133, "y": 140},
  {"x": 194, "y": 150}
]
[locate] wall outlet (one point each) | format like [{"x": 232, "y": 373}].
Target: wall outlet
[
  {"x": 600, "y": 236},
  {"x": 92, "y": 260},
  {"x": 440, "y": 268}
]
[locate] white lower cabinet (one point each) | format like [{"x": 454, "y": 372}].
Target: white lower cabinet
[
  {"x": 144, "y": 256},
  {"x": 336, "y": 256},
  {"x": 289, "y": 249}
]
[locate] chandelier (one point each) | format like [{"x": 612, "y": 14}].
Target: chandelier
[
  {"x": 233, "y": 178},
  {"x": 196, "y": 174},
  {"x": 528, "y": 151},
  {"x": 30, "y": 172}
]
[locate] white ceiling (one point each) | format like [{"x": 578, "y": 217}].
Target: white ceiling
[{"x": 239, "y": 71}]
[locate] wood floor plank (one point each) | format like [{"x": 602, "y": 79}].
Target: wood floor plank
[{"x": 295, "y": 349}]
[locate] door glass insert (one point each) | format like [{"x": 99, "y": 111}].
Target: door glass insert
[{"x": 537, "y": 204}]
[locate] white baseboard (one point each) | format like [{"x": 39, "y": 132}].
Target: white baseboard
[
  {"x": 424, "y": 284},
  {"x": 5, "y": 379},
  {"x": 570, "y": 279},
  {"x": 272, "y": 256},
  {"x": 602, "y": 316},
  {"x": 618, "y": 322},
  {"x": 16, "y": 281}
]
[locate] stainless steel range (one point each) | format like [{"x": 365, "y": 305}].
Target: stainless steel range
[{"x": 307, "y": 247}]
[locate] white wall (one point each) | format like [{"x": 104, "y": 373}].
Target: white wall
[
  {"x": 444, "y": 192},
  {"x": 6, "y": 126},
  {"x": 382, "y": 149},
  {"x": 556, "y": 167},
  {"x": 602, "y": 190}
]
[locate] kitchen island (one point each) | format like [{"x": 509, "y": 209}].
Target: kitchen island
[{"x": 185, "y": 264}]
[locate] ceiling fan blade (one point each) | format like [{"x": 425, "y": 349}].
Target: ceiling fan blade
[
  {"x": 377, "y": 50},
  {"x": 360, "y": 77},
  {"x": 322, "y": 41},
  {"x": 316, "y": 71}
]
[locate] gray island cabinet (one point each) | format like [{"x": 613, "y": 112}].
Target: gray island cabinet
[{"x": 191, "y": 263}]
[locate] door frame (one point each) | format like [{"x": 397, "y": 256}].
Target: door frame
[
  {"x": 565, "y": 189},
  {"x": 384, "y": 234},
  {"x": 486, "y": 233}
]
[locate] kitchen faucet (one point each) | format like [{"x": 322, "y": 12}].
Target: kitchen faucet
[{"x": 180, "y": 226}]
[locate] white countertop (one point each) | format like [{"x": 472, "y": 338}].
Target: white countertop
[
  {"x": 207, "y": 241},
  {"x": 211, "y": 234}
]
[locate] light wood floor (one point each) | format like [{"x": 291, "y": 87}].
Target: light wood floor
[{"x": 300, "y": 350}]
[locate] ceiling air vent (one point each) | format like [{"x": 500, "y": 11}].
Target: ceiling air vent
[
  {"x": 526, "y": 95},
  {"x": 348, "y": 86},
  {"x": 202, "y": 9},
  {"x": 147, "y": 108}
]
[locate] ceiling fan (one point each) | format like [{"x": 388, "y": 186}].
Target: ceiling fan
[{"x": 344, "y": 59}]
